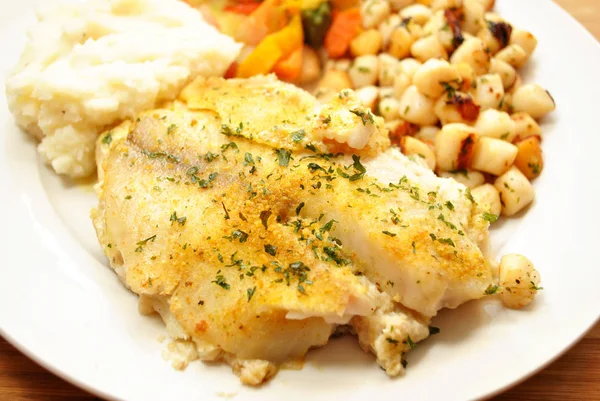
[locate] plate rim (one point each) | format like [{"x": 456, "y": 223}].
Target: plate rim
[{"x": 48, "y": 365}]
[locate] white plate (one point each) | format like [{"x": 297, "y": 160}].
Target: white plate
[{"x": 62, "y": 306}]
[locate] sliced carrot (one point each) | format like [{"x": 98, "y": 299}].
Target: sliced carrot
[
  {"x": 289, "y": 68},
  {"x": 242, "y": 8},
  {"x": 346, "y": 26}
]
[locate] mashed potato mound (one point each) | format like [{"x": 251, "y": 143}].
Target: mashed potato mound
[{"x": 91, "y": 64}]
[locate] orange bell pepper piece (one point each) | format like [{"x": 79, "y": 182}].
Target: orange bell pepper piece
[
  {"x": 346, "y": 26},
  {"x": 291, "y": 37},
  {"x": 274, "y": 47},
  {"x": 289, "y": 68}
]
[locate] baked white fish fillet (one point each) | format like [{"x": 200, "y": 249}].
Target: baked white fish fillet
[{"x": 233, "y": 215}]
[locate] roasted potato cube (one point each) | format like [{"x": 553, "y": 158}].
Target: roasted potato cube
[
  {"x": 529, "y": 157},
  {"x": 516, "y": 192},
  {"x": 493, "y": 156},
  {"x": 454, "y": 146}
]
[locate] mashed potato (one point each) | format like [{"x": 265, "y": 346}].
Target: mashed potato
[{"x": 91, "y": 64}]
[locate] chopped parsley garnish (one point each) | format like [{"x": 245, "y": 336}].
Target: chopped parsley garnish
[
  {"x": 145, "y": 241},
  {"x": 314, "y": 167},
  {"x": 414, "y": 247},
  {"x": 171, "y": 128},
  {"x": 264, "y": 218},
  {"x": 107, "y": 139},
  {"x": 297, "y": 136},
  {"x": 433, "y": 330},
  {"x": 449, "y": 89},
  {"x": 230, "y": 145},
  {"x": 156, "y": 155},
  {"x": 328, "y": 226},
  {"x": 449, "y": 205},
  {"x": 492, "y": 218},
  {"x": 180, "y": 220},
  {"x": 251, "y": 292},
  {"x": 240, "y": 235},
  {"x": 284, "y": 156},
  {"x": 311, "y": 147},
  {"x": 535, "y": 168},
  {"x": 325, "y": 228},
  {"x": 248, "y": 159},
  {"x": 227, "y": 131},
  {"x": 358, "y": 167},
  {"x": 391, "y": 340},
  {"x": 209, "y": 157},
  {"x": 535, "y": 287},
  {"x": 333, "y": 255},
  {"x": 365, "y": 116},
  {"x": 390, "y": 234},
  {"x": 492, "y": 289},
  {"x": 299, "y": 208},
  {"x": 469, "y": 196},
  {"x": 295, "y": 270},
  {"x": 410, "y": 343},
  {"x": 447, "y": 241},
  {"x": 221, "y": 282},
  {"x": 447, "y": 223},
  {"x": 271, "y": 249}
]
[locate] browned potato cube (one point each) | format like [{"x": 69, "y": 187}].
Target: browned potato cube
[{"x": 529, "y": 157}]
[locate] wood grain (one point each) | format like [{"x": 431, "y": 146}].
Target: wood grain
[
  {"x": 574, "y": 377},
  {"x": 585, "y": 11}
]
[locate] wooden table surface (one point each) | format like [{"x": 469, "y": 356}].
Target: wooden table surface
[{"x": 575, "y": 376}]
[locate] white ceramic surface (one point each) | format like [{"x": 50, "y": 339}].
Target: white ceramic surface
[{"x": 61, "y": 305}]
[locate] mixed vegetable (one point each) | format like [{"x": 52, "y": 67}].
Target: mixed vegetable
[
  {"x": 442, "y": 73},
  {"x": 285, "y": 36}
]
